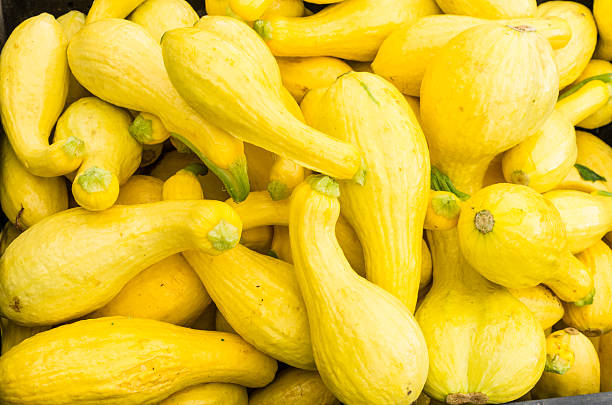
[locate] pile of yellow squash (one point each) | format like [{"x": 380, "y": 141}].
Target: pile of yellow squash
[{"x": 384, "y": 202}]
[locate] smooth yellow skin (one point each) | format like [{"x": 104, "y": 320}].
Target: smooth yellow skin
[
  {"x": 13, "y": 334},
  {"x": 159, "y": 16},
  {"x": 150, "y": 154},
  {"x": 544, "y": 159},
  {"x": 286, "y": 8},
  {"x": 120, "y": 62},
  {"x": 149, "y": 130},
  {"x": 605, "y": 359},
  {"x": 587, "y": 217},
  {"x": 602, "y": 10},
  {"x": 101, "y": 9},
  {"x": 458, "y": 120},
  {"x": 209, "y": 394},
  {"x": 221, "y": 324},
  {"x": 597, "y": 156},
  {"x": 367, "y": 345},
  {"x": 351, "y": 30},
  {"x": 415, "y": 45},
  {"x": 388, "y": 212},
  {"x": 72, "y": 22},
  {"x": 583, "y": 375},
  {"x": 66, "y": 276},
  {"x": 524, "y": 246},
  {"x": 186, "y": 183},
  {"x": 249, "y": 10},
  {"x": 229, "y": 79},
  {"x": 594, "y": 319},
  {"x": 301, "y": 75},
  {"x": 27, "y": 199},
  {"x": 573, "y": 57},
  {"x": 604, "y": 115},
  {"x": 33, "y": 88},
  {"x": 494, "y": 9},
  {"x": 546, "y": 307},
  {"x": 295, "y": 387},
  {"x": 260, "y": 210},
  {"x": 443, "y": 211},
  {"x": 123, "y": 361},
  {"x": 108, "y": 146},
  {"x": 140, "y": 190}
]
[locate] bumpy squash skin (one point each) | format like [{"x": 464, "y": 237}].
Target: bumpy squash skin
[
  {"x": 48, "y": 276},
  {"x": 300, "y": 75},
  {"x": 13, "y": 334},
  {"x": 602, "y": 10},
  {"x": 72, "y": 22},
  {"x": 295, "y": 387},
  {"x": 159, "y": 16},
  {"x": 493, "y": 9},
  {"x": 101, "y": 9},
  {"x": 351, "y": 30},
  {"x": 124, "y": 361},
  {"x": 33, "y": 87},
  {"x": 388, "y": 212},
  {"x": 110, "y": 151},
  {"x": 27, "y": 199},
  {"x": 209, "y": 394},
  {"x": 367, "y": 346},
  {"x": 568, "y": 347},
  {"x": 604, "y": 116},
  {"x": 595, "y": 319},
  {"x": 573, "y": 57},
  {"x": 118, "y": 61},
  {"x": 249, "y": 99},
  {"x": 546, "y": 307}
]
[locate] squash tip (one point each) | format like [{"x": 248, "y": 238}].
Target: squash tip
[
  {"x": 278, "y": 190},
  {"x": 484, "y": 221},
  {"x": 95, "y": 179},
  {"x": 141, "y": 129},
  {"x": 520, "y": 177},
  {"x": 74, "y": 147},
  {"x": 224, "y": 236},
  {"x": 263, "y": 28},
  {"x": 588, "y": 300},
  {"x": 324, "y": 184}
]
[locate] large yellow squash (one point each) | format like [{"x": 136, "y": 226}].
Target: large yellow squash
[
  {"x": 159, "y": 16},
  {"x": 490, "y": 8}
]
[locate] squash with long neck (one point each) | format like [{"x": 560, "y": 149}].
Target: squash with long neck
[{"x": 388, "y": 212}]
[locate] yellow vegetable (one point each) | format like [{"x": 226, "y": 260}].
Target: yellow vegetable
[
  {"x": 544, "y": 159},
  {"x": 367, "y": 345},
  {"x": 111, "y": 154},
  {"x": 259, "y": 210},
  {"x": 248, "y": 96},
  {"x": 301, "y": 75},
  {"x": 206, "y": 320},
  {"x": 388, "y": 212},
  {"x": 295, "y": 387},
  {"x": 33, "y": 87},
  {"x": 415, "y": 45},
  {"x": 140, "y": 190},
  {"x": 209, "y": 394},
  {"x": 8, "y": 235},
  {"x": 249, "y": 10},
  {"x": 101, "y": 9},
  {"x": 287, "y": 8},
  {"x": 572, "y": 366},
  {"x": 185, "y": 182},
  {"x": 159, "y": 16},
  {"x": 605, "y": 358},
  {"x": 125, "y": 361},
  {"x": 443, "y": 211},
  {"x": 490, "y": 8},
  {"x": 515, "y": 237},
  {"x": 258, "y": 239},
  {"x": 426, "y": 267},
  {"x": 602, "y": 9},
  {"x": 72, "y": 22},
  {"x": 595, "y": 319},
  {"x": 573, "y": 57},
  {"x": 604, "y": 115},
  {"x": 260, "y": 163},
  {"x": 13, "y": 334},
  {"x": 27, "y": 199},
  {"x": 148, "y": 129},
  {"x": 353, "y": 29},
  {"x": 545, "y": 306},
  {"x": 221, "y": 324},
  {"x": 49, "y": 276},
  {"x": 120, "y": 62},
  {"x": 150, "y": 154},
  {"x": 587, "y": 217}
]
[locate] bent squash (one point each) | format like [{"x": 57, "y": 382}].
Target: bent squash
[{"x": 603, "y": 116}]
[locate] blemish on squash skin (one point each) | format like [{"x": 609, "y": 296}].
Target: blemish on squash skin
[{"x": 15, "y": 304}]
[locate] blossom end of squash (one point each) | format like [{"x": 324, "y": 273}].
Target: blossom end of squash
[
  {"x": 278, "y": 190},
  {"x": 74, "y": 147},
  {"x": 224, "y": 236},
  {"x": 324, "y": 184}
]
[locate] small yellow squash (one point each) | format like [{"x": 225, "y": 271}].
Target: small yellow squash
[
  {"x": 490, "y": 8},
  {"x": 140, "y": 190},
  {"x": 159, "y": 16},
  {"x": 300, "y": 75},
  {"x": 602, "y": 10},
  {"x": 33, "y": 87},
  {"x": 148, "y": 129},
  {"x": 27, "y": 199},
  {"x": 101, "y": 9},
  {"x": 295, "y": 387},
  {"x": 603, "y": 116},
  {"x": 367, "y": 345},
  {"x": 546, "y": 307},
  {"x": 209, "y": 394},
  {"x": 125, "y": 361},
  {"x": 72, "y": 22},
  {"x": 443, "y": 211},
  {"x": 185, "y": 183},
  {"x": 13, "y": 334},
  {"x": 572, "y": 366}
]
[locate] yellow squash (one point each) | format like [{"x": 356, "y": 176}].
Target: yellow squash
[
  {"x": 295, "y": 387},
  {"x": 595, "y": 319},
  {"x": 404, "y": 56},
  {"x": 120, "y": 62},
  {"x": 206, "y": 320},
  {"x": 572, "y": 366},
  {"x": 258, "y": 239},
  {"x": 124, "y": 361},
  {"x": 159, "y": 16},
  {"x": 13, "y": 334},
  {"x": 353, "y": 29},
  {"x": 544, "y": 159},
  {"x": 140, "y": 190},
  {"x": 443, "y": 211},
  {"x": 72, "y": 22},
  {"x": 367, "y": 345},
  {"x": 286, "y": 8},
  {"x": 111, "y": 154},
  {"x": 9, "y": 233},
  {"x": 605, "y": 359},
  {"x": 249, "y": 10},
  {"x": 587, "y": 217},
  {"x": 490, "y": 8},
  {"x": 573, "y": 57},
  {"x": 300, "y": 75},
  {"x": 101, "y": 9},
  {"x": 603, "y": 116},
  {"x": 148, "y": 129},
  {"x": 515, "y": 237},
  {"x": 209, "y": 394},
  {"x": 388, "y": 212},
  {"x": 260, "y": 210},
  {"x": 33, "y": 88},
  {"x": 27, "y": 199},
  {"x": 232, "y": 85},
  {"x": 546, "y": 307},
  {"x": 602, "y": 10},
  {"x": 185, "y": 182},
  {"x": 593, "y": 155},
  {"x": 221, "y": 324},
  {"x": 52, "y": 273}
]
